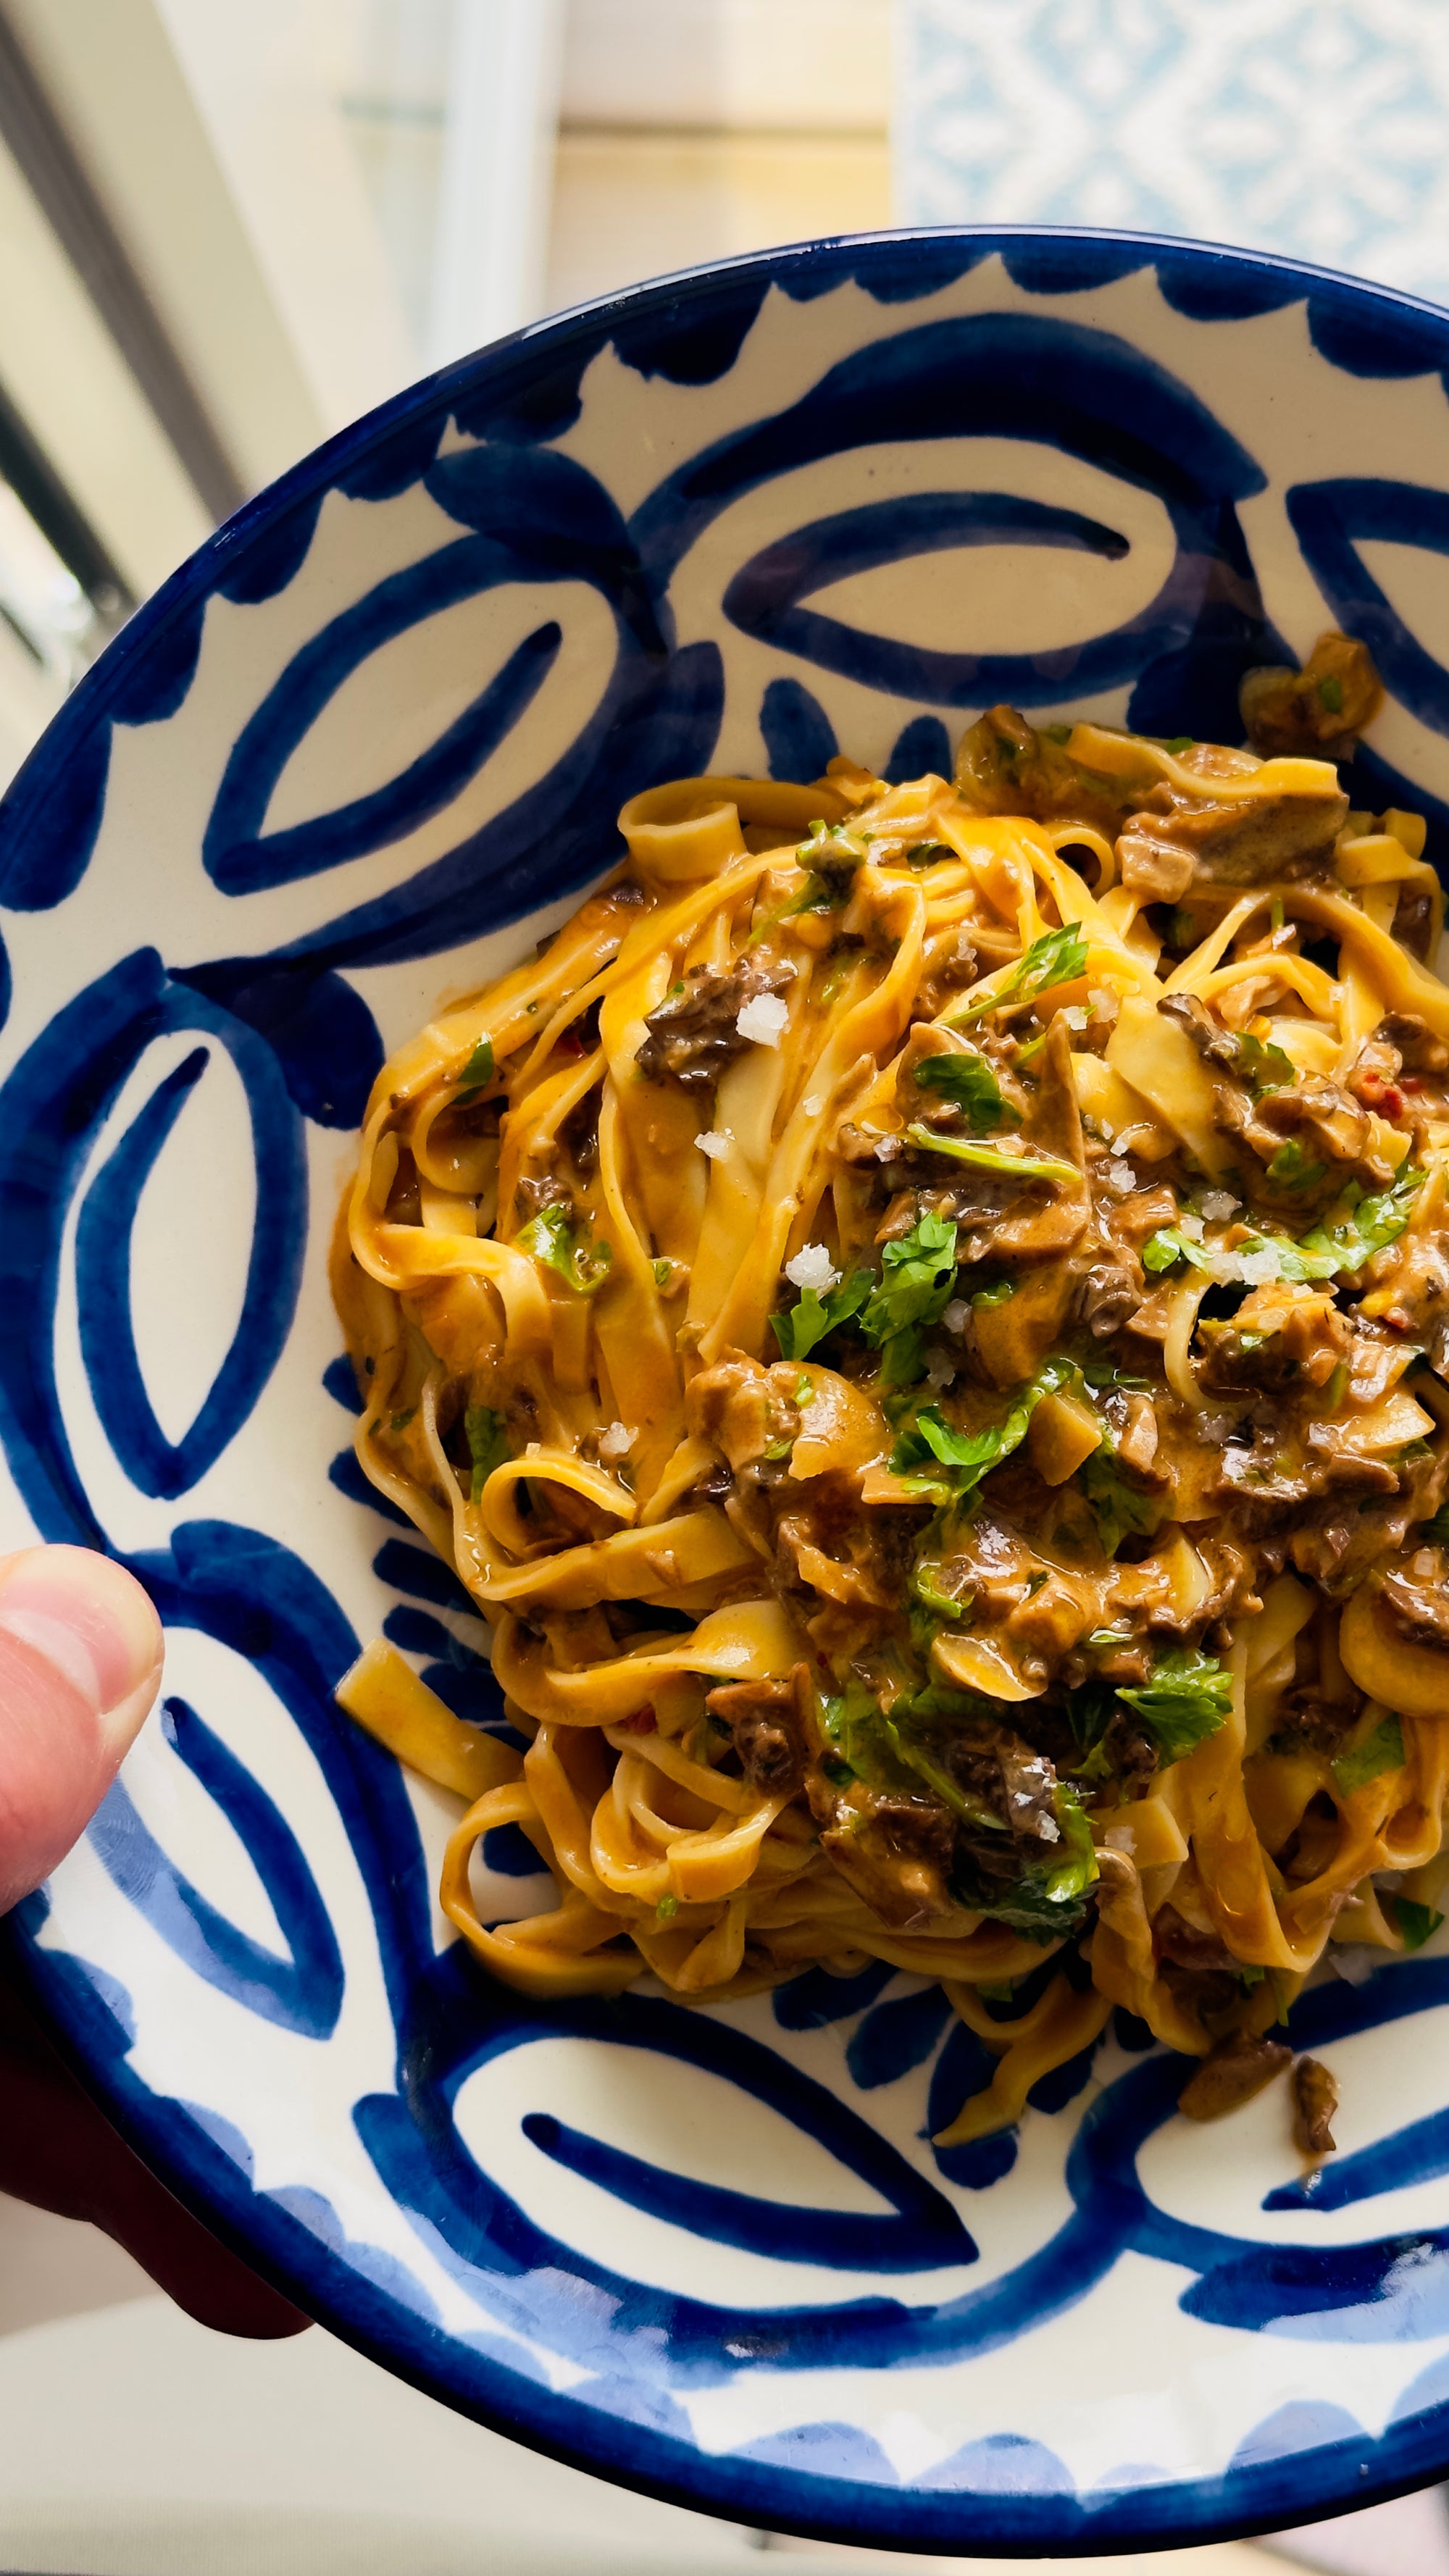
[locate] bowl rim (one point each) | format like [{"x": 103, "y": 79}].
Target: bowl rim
[
  {"x": 1331, "y": 291},
  {"x": 1250, "y": 2495}
]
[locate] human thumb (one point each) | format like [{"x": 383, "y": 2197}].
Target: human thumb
[{"x": 80, "y": 1661}]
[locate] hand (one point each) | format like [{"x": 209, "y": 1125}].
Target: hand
[{"x": 80, "y": 1664}]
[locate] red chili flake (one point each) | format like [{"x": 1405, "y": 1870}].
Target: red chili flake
[
  {"x": 1411, "y": 1082},
  {"x": 569, "y": 1044},
  {"x": 1392, "y": 1101},
  {"x": 643, "y": 1721}
]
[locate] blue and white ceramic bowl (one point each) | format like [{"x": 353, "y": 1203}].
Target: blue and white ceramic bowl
[{"x": 363, "y": 747}]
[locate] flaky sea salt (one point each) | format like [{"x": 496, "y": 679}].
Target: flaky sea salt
[
  {"x": 617, "y": 1441},
  {"x": 1215, "y": 1427},
  {"x": 1355, "y": 1962},
  {"x": 1192, "y": 1226},
  {"x": 812, "y": 1267},
  {"x": 1075, "y": 1016},
  {"x": 1119, "y": 1176},
  {"x": 813, "y": 1106},
  {"x": 1118, "y": 1838},
  {"x": 1254, "y": 1268},
  {"x": 955, "y": 1316},
  {"x": 1048, "y": 1828},
  {"x": 940, "y": 1369},
  {"x": 714, "y": 1144},
  {"x": 1105, "y": 1004},
  {"x": 1219, "y": 1205},
  {"x": 764, "y": 1020}
]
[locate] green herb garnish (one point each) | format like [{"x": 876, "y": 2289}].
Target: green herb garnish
[
  {"x": 1058, "y": 957},
  {"x": 487, "y": 1445},
  {"x": 1262, "y": 1067},
  {"x": 1117, "y": 1507},
  {"x": 917, "y": 1281},
  {"x": 967, "y": 1456},
  {"x": 833, "y": 846},
  {"x": 1292, "y": 1169},
  {"x": 478, "y": 1070},
  {"x": 991, "y": 1158},
  {"x": 1104, "y": 1373},
  {"x": 808, "y": 1321},
  {"x": 969, "y": 1081},
  {"x": 1374, "y": 1224},
  {"x": 1381, "y": 1750},
  {"x": 1169, "y": 1244},
  {"x": 1417, "y": 1923},
  {"x": 926, "y": 1590},
  {"x": 1189, "y": 1697},
  {"x": 1048, "y": 1899},
  {"x": 550, "y": 1237}
]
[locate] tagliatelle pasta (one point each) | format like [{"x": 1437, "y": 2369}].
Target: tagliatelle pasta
[{"x": 920, "y": 1317}]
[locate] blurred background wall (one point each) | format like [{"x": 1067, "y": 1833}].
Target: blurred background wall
[{"x": 227, "y": 230}]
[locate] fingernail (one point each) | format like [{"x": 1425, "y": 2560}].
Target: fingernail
[{"x": 92, "y": 1622}]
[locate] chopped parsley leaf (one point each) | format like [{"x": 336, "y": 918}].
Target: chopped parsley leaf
[
  {"x": 1417, "y": 1923},
  {"x": 1169, "y": 1245},
  {"x": 487, "y": 1445},
  {"x": 1058, "y": 957},
  {"x": 1292, "y": 1169},
  {"x": 1374, "y": 1223},
  {"x": 926, "y": 1590},
  {"x": 808, "y": 1321},
  {"x": 967, "y": 1456},
  {"x": 477, "y": 1070},
  {"x": 1381, "y": 1750},
  {"x": 1188, "y": 1698},
  {"x": 1048, "y": 1899},
  {"x": 550, "y": 1237},
  {"x": 1263, "y": 1067},
  {"x": 991, "y": 1158},
  {"x": 969, "y": 1081},
  {"x": 1104, "y": 1373},
  {"x": 917, "y": 1281},
  {"x": 1117, "y": 1507}
]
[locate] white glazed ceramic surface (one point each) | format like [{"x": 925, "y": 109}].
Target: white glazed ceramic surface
[{"x": 358, "y": 754}]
